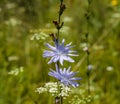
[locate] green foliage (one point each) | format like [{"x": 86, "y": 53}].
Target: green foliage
[{"x": 17, "y": 20}]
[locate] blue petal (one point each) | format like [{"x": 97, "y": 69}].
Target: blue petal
[
  {"x": 56, "y": 58},
  {"x": 51, "y": 60},
  {"x": 68, "y": 71},
  {"x": 72, "y": 79},
  {"x": 48, "y": 54},
  {"x": 68, "y": 59},
  {"x": 51, "y": 47},
  {"x": 61, "y": 60},
  {"x": 74, "y": 84}
]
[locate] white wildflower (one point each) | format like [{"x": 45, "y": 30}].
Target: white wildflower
[
  {"x": 90, "y": 67},
  {"x": 13, "y": 22},
  {"x": 85, "y": 49},
  {"x": 41, "y": 90},
  {"x": 53, "y": 89},
  {"x": 13, "y": 58},
  {"x": 38, "y": 36},
  {"x": 51, "y": 85},
  {"x": 10, "y": 5},
  {"x": 109, "y": 68},
  {"x": 65, "y": 90},
  {"x": 16, "y": 71}
]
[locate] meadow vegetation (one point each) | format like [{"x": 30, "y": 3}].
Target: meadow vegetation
[{"x": 25, "y": 26}]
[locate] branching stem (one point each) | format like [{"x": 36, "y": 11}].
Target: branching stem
[{"x": 59, "y": 25}]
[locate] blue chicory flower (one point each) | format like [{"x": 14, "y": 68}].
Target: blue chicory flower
[
  {"x": 65, "y": 76},
  {"x": 59, "y": 52}
]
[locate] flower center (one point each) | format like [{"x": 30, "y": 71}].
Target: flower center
[{"x": 60, "y": 52}]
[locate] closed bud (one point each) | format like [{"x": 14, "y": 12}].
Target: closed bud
[
  {"x": 56, "y": 22},
  {"x": 52, "y": 35},
  {"x": 62, "y": 8}
]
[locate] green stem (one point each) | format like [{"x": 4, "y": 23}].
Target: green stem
[
  {"x": 88, "y": 63},
  {"x": 59, "y": 26},
  {"x": 59, "y": 19},
  {"x": 87, "y": 41}
]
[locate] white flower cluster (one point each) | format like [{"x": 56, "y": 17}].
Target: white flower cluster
[
  {"x": 65, "y": 90},
  {"x": 13, "y": 22},
  {"x": 41, "y": 90},
  {"x": 38, "y": 36},
  {"x": 80, "y": 100},
  {"x": 109, "y": 68},
  {"x": 16, "y": 71},
  {"x": 52, "y": 88}
]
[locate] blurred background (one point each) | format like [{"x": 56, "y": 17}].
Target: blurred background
[{"x": 25, "y": 26}]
